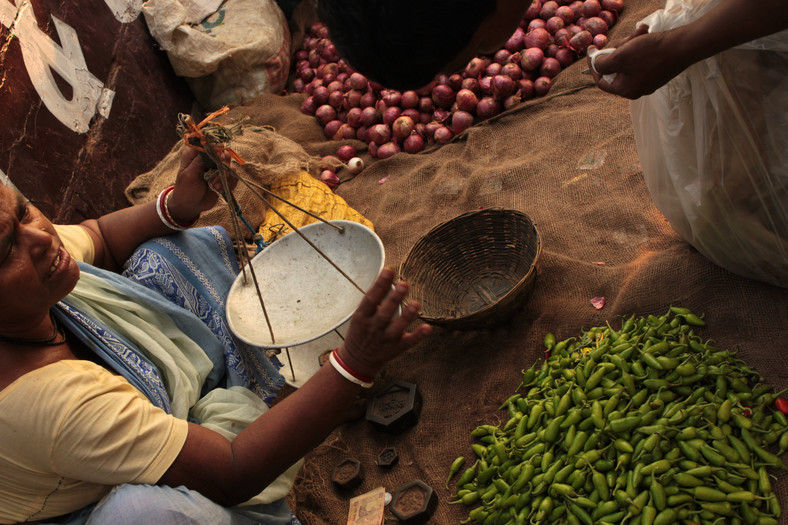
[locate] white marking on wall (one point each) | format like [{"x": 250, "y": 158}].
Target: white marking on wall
[{"x": 42, "y": 56}]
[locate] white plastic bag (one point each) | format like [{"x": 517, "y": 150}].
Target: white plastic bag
[
  {"x": 713, "y": 144},
  {"x": 228, "y": 51}
]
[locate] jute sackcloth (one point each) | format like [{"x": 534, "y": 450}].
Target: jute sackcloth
[{"x": 568, "y": 160}]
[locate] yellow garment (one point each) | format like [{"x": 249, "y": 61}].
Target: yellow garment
[
  {"x": 74, "y": 420},
  {"x": 77, "y": 242},
  {"x": 310, "y": 194}
]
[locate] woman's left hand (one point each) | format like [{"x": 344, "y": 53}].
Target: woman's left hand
[{"x": 193, "y": 194}]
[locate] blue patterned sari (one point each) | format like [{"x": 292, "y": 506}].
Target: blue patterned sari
[{"x": 171, "y": 294}]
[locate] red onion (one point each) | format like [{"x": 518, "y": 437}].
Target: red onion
[
  {"x": 355, "y": 165},
  {"x": 412, "y": 113},
  {"x": 526, "y": 88},
  {"x": 516, "y": 42},
  {"x": 538, "y": 37},
  {"x": 581, "y": 22},
  {"x": 565, "y": 57},
  {"x": 502, "y": 86},
  {"x": 429, "y": 130},
  {"x": 358, "y": 81},
  {"x": 426, "y": 105},
  {"x": 533, "y": 9},
  {"x": 493, "y": 69},
  {"x": 615, "y": 6},
  {"x": 354, "y": 117},
  {"x": 591, "y": 8},
  {"x": 550, "y": 67},
  {"x": 353, "y": 99},
  {"x": 380, "y": 133},
  {"x": 548, "y": 9},
  {"x": 369, "y": 116},
  {"x": 330, "y": 53},
  {"x": 596, "y": 25},
  {"x": 554, "y": 23},
  {"x": 443, "y": 134},
  {"x": 362, "y": 133},
  {"x": 512, "y": 70},
  {"x": 609, "y": 17},
  {"x": 542, "y": 85},
  {"x": 600, "y": 41},
  {"x": 531, "y": 58},
  {"x": 566, "y": 13},
  {"x": 332, "y": 127},
  {"x": 373, "y": 149},
  {"x": 335, "y": 85},
  {"x": 441, "y": 79},
  {"x": 562, "y": 37},
  {"x": 325, "y": 114},
  {"x": 475, "y": 68},
  {"x": 425, "y": 117},
  {"x": 551, "y": 50},
  {"x": 391, "y": 97},
  {"x": 535, "y": 23},
  {"x": 488, "y": 107},
  {"x": 346, "y": 152},
  {"x": 301, "y": 54},
  {"x": 309, "y": 106},
  {"x": 298, "y": 85},
  {"x": 413, "y": 143},
  {"x": 485, "y": 86},
  {"x": 502, "y": 56},
  {"x": 471, "y": 84},
  {"x": 387, "y": 150},
  {"x": 345, "y": 131},
  {"x": 409, "y": 99},
  {"x": 368, "y": 99},
  {"x": 320, "y": 94},
  {"x": 466, "y": 100},
  {"x": 402, "y": 127},
  {"x": 460, "y": 121},
  {"x": 455, "y": 81},
  {"x": 336, "y": 98},
  {"x": 581, "y": 41},
  {"x": 391, "y": 114},
  {"x": 574, "y": 28},
  {"x": 443, "y": 96},
  {"x": 329, "y": 178}
]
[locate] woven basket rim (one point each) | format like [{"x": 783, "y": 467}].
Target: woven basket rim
[{"x": 477, "y": 315}]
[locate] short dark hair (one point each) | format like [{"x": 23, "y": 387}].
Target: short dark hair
[{"x": 401, "y": 44}]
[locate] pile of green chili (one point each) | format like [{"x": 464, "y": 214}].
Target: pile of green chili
[{"x": 646, "y": 425}]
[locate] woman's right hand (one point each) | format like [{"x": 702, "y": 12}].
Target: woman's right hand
[{"x": 376, "y": 335}]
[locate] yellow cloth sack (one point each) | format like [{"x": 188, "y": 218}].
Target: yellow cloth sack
[{"x": 307, "y": 192}]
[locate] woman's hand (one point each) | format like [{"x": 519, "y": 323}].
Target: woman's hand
[
  {"x": 193, "y": 194},
  {"x": 642, "y": 63},
  {"x": 376, "y": 335}
]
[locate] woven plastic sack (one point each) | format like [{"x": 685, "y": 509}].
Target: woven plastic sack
[
  {"x": 308, "y": 193},
  {"x": 712, "y": 144},
  {"x": 227, "y": 56}
]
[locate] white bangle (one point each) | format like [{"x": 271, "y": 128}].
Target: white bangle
[
  {"x": 344, "y": 373},
  {"x": 164, "y": 212}
]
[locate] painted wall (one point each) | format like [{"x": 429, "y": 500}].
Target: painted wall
[{"x": 87, "y": 102}]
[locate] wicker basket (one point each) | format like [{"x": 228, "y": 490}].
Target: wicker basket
[{"x": 475, "y": 270}]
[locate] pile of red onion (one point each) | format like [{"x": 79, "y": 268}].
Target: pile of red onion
[{"x": 552, "y": 35}]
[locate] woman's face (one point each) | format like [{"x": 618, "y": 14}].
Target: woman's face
[{"x": 35, "y": 269}]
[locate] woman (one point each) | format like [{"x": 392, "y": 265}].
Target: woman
[{"x": 111, "y": 393}]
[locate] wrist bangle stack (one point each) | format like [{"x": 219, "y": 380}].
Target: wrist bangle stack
[
  {"x": 347, "y": 372},
  {"x": 164, "y": 211}
]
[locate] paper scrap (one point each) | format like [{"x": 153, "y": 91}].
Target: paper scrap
[{"x": 368, "y": 509}]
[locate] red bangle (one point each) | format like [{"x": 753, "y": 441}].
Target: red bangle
[
  {"x": 347, "y": 372},
  {"x": 164, "y": 212}
]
